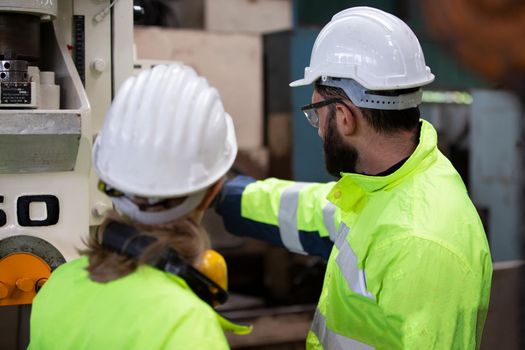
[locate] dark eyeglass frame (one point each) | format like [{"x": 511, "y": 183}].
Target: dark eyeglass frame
[{"x": 310, "y": 110}]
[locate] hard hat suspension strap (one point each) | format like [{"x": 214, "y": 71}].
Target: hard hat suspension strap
[{"x": 365, "y": 98}]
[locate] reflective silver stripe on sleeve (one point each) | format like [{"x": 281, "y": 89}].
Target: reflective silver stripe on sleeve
[
  {"x": 347, "y": 262},
  {"x": 328, "y": 220},
  {"x": 331, "y": 340},
  {"x": 288, "y": 218}
]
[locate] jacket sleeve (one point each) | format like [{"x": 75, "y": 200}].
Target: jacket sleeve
[{"x": 295, "y": 215}]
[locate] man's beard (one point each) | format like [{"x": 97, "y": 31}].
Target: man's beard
[{"x": 339, "y": 157}]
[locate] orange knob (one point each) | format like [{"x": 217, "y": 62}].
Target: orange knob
[
  {"x": 4, "y": 291},
  {"x": 20, "y": 272},
  {"x": 25, "y": 284}
]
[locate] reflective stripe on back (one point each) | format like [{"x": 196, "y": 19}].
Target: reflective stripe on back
[
  {"x": 328, "y": 220},
  {"x": 288, "y": 218},
  {"x": 347, "y": 262},
  {"x": 331, "y": 340}
]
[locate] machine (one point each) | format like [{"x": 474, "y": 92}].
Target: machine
[{"x": 61, "y": 62}]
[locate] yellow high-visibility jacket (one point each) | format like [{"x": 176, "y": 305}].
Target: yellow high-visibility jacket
[
  {"x": 147, "y": 309},
  {"x": 409, "y": 265}
]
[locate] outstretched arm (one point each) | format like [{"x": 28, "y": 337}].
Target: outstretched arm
[{"x": 295, "y": 215}]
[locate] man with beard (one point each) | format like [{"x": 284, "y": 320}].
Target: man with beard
[{"x": 409, "y": 265}]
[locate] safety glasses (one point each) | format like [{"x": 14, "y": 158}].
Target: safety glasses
[
  {"x": 310, "y": 111},
  {"x": 150, "y": 201}
]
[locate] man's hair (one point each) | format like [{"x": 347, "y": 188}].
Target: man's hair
[{"x": 383, "y": 121}]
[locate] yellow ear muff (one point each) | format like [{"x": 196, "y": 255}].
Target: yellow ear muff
[{"x": 213, "y": 265}]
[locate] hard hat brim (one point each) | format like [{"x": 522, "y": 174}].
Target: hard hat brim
[{"x": 301, "y": 82}]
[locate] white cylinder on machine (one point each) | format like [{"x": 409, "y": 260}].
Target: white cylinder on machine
[{"x": 49, "y": 96}]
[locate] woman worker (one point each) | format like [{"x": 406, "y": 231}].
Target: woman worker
[{"x": 162, "y": 153}]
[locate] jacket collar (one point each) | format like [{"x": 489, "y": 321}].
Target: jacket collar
[
  {"x": 229, "y": 326},
  {"x": 351, "y": 190}
]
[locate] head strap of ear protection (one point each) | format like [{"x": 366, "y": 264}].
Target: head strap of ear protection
[{"x": 127, "y": 241}]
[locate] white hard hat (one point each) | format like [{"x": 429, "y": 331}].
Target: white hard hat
[
  {"x": 371, "y": 47},
  {"x": 165, "y": 135}
]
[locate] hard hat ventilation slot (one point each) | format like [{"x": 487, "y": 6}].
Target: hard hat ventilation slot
[{"x": 377, "y": 99}]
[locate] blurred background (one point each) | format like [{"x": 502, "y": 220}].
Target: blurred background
[
  {"x": 476, "y": 104},
  {"x": 251, "y": 49}
]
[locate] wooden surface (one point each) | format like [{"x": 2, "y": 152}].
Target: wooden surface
[
  {"x": 248, "y": 16},
  {"x": 278, "y": 331},
  {"x": 504, "y": 327},
  {"x": 232, "y": 63}
]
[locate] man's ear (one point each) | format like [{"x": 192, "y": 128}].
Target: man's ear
[{"x": 347, "y": 119}]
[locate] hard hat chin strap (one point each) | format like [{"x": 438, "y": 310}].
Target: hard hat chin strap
[
  {"x": 128, "y": 207},
  {"x": 362, "y": 97}
]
